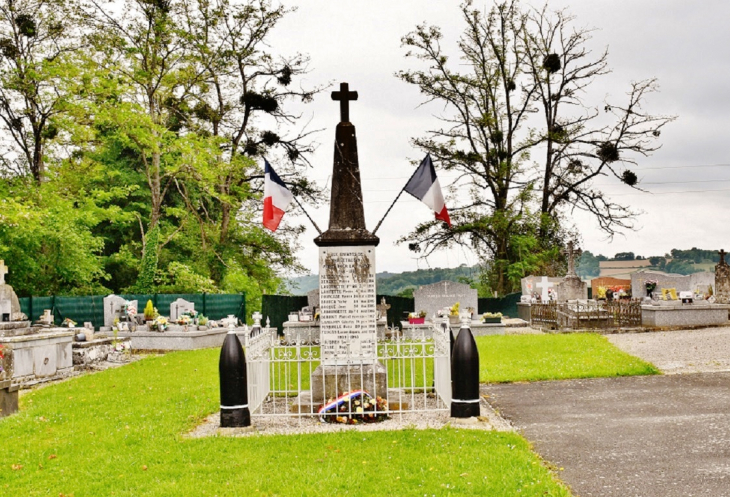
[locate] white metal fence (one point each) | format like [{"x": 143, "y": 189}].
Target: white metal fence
[{"x": 412, "y": 372}]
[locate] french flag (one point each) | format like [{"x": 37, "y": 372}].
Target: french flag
[
  {"x": 277, "y": 197},
  {"x": 424, "y": 185}
]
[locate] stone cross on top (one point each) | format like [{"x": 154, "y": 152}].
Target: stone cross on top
[
  {"x": 572, "y": 254},
  {"x": 344, "y": 96},
  {"x": 3, "y": 272},
  {"x": 721, "y": 252}
]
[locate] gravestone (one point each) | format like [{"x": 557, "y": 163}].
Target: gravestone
[
  {"x": 313, "y": 298},
  {"x": 540, "y": 285},
  {"x": 382, "y": 308},
  {"x": 9, "y": 303},
  {"x": 180, "y": 307},
  {"x": 431, "y": 298},
  {"x": 680, "y": 282},
  {"x": 722, "y": 280},
  {"x": 114, "y": 307},
  {"x": 572, "y": 287},
  {"x": 348, "y": 330}
]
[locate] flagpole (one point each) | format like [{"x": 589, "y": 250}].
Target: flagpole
[
  {"x": 307, "y": 214},
  {"x": 396, "y": 199}
]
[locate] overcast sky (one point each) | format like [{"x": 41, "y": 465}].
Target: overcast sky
[{"x": 686, "y": 45}]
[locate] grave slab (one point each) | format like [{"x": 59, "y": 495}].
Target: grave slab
[{"x": 431, "y": 298}]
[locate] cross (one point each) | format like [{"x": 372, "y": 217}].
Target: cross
[
  {"x": 344, "y": 96},
  {"x": 721, "y": 252},
  {"x": 571, "y": 253},
  {"x": 544, "y": 283},
  {"x": 3, "y": 272}
]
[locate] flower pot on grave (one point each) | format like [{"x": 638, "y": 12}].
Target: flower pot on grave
[
  {"x": 416, "y": 320},
  {"x": 454, "y": 319},
  {"x": 491, "y": 320}
]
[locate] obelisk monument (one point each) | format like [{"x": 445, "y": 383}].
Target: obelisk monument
[{"x": 348, "y": 329}]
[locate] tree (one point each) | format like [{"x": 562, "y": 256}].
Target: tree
[
  {"x": 579, "y": 146},
  {"x": 624, "y": 256},
  {"x": 588, "y": 265},
  {"x": 37, "y": 38},
  {"x": 479, "y": 138},
  {"x": 514, "y": 63}
]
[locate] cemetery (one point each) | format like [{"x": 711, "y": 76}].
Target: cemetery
[{"x": 156, "y": 347}]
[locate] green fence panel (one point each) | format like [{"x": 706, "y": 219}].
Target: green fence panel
[
  {"x": 278, "y": 307},
  {"x": 80, "y": 309},
  {"x": 399, "y": 308},
  {"x": 25, "y": 307},
  {"x": 91, "y": 308},
  {"x": 507, "y": 305},
  {"x": 220, "y": 305}
]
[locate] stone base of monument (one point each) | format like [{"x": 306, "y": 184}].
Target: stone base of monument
[
  {"x": 171, "y": 340},
  {"x": 329, "y": 382},
  {"x": 572, "y": 288},
  {"x": 304, "y": 404},
  {"x": 308, "y": 333},
  {"x": 8, "y": 398}
]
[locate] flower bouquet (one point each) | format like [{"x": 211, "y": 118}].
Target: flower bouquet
[
  {"x": 159, "y": 324},
  {"x": 354, "y": 408},
  {"x": 68, "y": 322},
  {"x": 650, "y": 286},
  {"x": 417, "y": 317}
]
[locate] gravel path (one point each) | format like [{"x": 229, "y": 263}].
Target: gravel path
[{"x": 681, "y": 351}]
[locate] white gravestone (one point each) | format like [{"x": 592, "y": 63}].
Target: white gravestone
[
  {"x": 180, "y": 307},
  {"x": 544, "y": 285},
  {"x": 431, "y": 298},
  {"x": 348, "y": 330},
  {"x": 113, "y": 308}
]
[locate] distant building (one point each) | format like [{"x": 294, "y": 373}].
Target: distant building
[{"x": 621, "y": 269}]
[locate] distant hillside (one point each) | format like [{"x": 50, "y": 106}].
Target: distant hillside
[{"x": 394, "y": 283}]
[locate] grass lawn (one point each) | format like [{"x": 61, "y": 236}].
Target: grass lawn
[
  {"x": 120, "y": 433},
  {"x": 504, "y": 358}
]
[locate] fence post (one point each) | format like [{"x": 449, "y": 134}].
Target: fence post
[
  {"x": 205, "y": 313},
  {"x": 30, "y": 308}
]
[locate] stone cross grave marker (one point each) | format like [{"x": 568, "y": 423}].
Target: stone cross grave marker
[
  {"x": 431, "y": 298},
  {"x": 382, "y": 308},
  {"x": 180, "y": 307},
  {"x": 113, "y": 308},
  {"x": 722, "y": 280},
  {"x": 571, "y": 254},
  {"x": 544, "y": 284}
]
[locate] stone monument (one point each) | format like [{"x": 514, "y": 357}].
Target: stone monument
[
  {"x": 431, "y": 298},
  {"x": 9, "y": 303},
  {"x": 348, "y": 329},
  {"x": 722, "y": 280},
  {"x": 572, "y": 287},
  {"x": 180, "y": 307},
  {"x": 540, "y": 286}
]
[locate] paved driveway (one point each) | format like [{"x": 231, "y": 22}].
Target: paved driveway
[{"x": 648, "y": 436}]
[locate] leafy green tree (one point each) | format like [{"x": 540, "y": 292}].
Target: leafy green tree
[
  {"x": 588, "y": 266},
  {"x": 624, "y": 256},
  {"x": 48, "y": 241}
]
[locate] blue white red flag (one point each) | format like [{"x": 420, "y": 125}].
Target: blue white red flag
[
  {"x": 424, "y": 185},
  {"x": 277, "y": 197}
]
